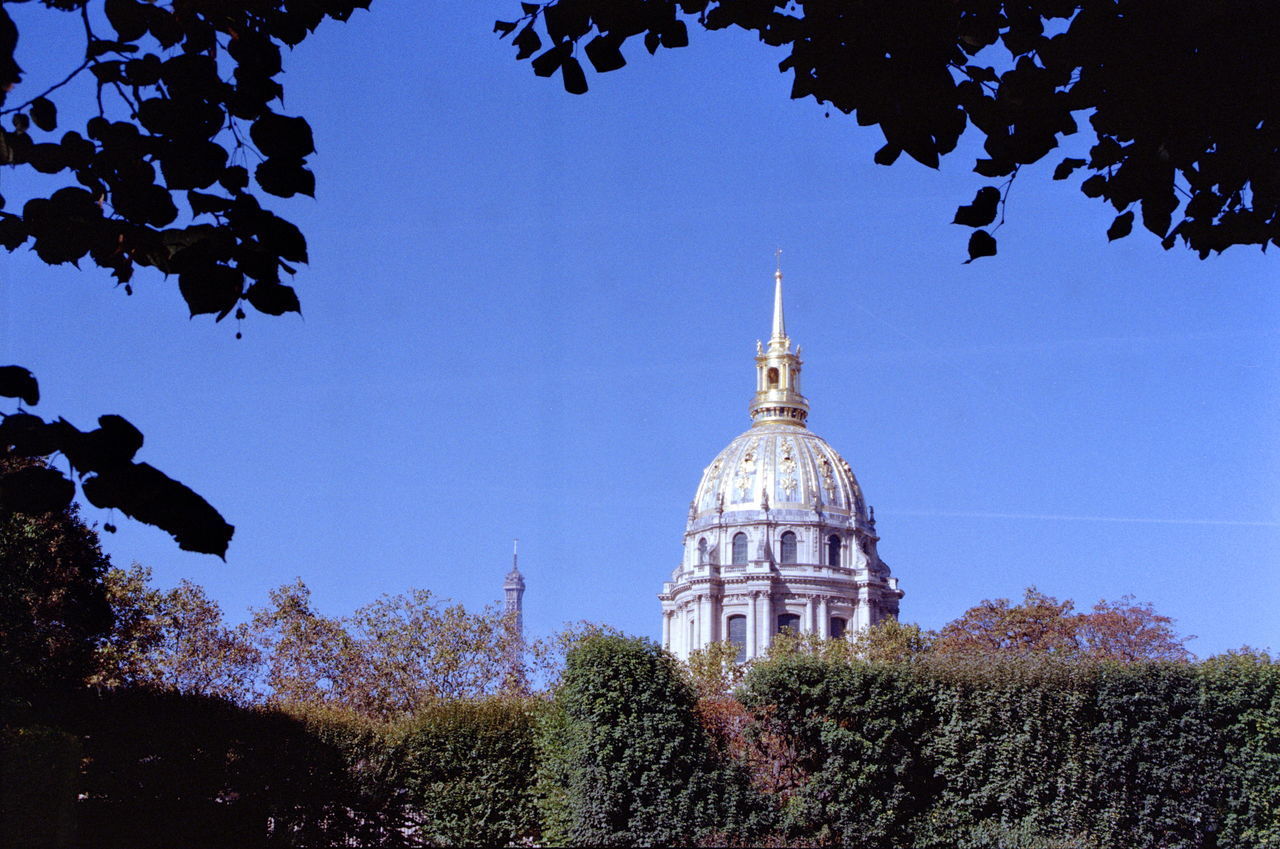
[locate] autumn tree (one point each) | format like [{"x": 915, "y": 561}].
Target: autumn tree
[
  {"x": 714, "y": 670},
  {"x": 891, "y": 641},
  {"x": 387, "y": 659},
  {"x": 170, "y": 175},
  {"x": 308, "y": 658},
  {"x": 415, "y": 647},
  {"x": 1124, "y": 631},
  {"x": 175, "y": 639},
  {"x": 1177, "y": 99},
  {"x": 1127, "y": 630}
]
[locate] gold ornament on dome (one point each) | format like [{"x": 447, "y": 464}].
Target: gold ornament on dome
[
  {"x": 787, "y": 468},
  {"x": 746, "y": 470},
  {"x": 827, "y": 474}
]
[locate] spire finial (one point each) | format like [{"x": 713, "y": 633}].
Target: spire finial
[
  {"x": 779, "y": 324},
  {"x": 778, "y": 398}
]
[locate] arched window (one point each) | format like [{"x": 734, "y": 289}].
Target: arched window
[
  {"x": 833, "y": 550},
  {"x": 838, "y": 624},
  {"x": 789, "y": 621},
  {"x": 739, "y": 548},
  {"x": 773, "y": 378},
  {"x": 738, "y": 635},
  {"x": 702, "y": 550},
  {"x": 788, "y": 547}
]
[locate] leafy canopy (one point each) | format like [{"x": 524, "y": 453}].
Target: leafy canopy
[
  {"x": 168, "y": 174},
  {"x": 1123, "y": 630},
  {"x": 1178, "y": 97}
]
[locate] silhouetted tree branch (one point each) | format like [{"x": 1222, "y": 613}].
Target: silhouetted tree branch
[
  {"x": 1181, "y": 99},
  {"x": 164, "y": 176}
]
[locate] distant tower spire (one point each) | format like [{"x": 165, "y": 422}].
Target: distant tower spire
[
  {"x": 513, "y": 586},
  {"x": 515, "y": 589}
]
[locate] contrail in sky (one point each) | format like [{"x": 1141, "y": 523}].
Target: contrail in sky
[{"x": 1058, "y": 518}]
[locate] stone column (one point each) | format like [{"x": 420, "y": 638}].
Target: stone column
[
  {"x": 862, "y": 609},
  {"x": 666, "y": 630},
  {"x": 806, "y": 624},
  {"x": 766, "y": 634},
  {"x": 704, "y": 620},
  {"x": 824, "y": 619},
  {"x": 752, "y": 598},
  {"x": 717, "y": 620}
]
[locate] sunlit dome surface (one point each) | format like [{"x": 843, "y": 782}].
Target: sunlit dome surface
[{"x": 792, "y": 467}]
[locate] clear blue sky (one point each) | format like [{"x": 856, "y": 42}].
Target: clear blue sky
[{"x": 533, "y": 315}]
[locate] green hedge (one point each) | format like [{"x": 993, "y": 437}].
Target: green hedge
[
  {"x": 164, "y": 769},
  {"x": 624, "y": 759},
  {"x": 1033, "y": 754},
  {"x": 38, "y": 782},
  {"x": 856, "y": 730},
  {"x": 467, "y": 770}
]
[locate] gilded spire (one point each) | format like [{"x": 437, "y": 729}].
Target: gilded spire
[
  {"x": 778, "y": 399},
  {"x": 779, "y": 324}
]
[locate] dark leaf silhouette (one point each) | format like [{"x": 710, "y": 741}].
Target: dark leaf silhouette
[
  {"x": 1181, "y": 113},
  {"x": 575, "y": 81},
  {"x": 35, "y": 489},
  {"x": 982, "y": 211},
  {"x": 981, "y": 243},
  {"x": 273, "y": 298},
  {"x": 527, "y": 42},
  {"x": 17, "y": 382},
  {"x": 604, "y": 55},
  {"x": 167, "y": 120},
  {"x": 1121, "y": 227},
  {"x": 285, "y": 178},
  {"x": 1066, "y": 167},
  {"x": 44, "y": 114},
  {"x": 146, "y": 494},
  {"x": 211, "y": 289},
  {"x": 281, "y": 136},
  {"x": 887, "y": 155}
]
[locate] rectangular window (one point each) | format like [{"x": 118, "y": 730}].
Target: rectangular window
[{"x": 738, "y": 636}]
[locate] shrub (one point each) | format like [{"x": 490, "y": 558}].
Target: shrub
[
  {"x": 1242, "y": 702},
  {"x": 468, "y": 771},
  {"x": 864, "y": 778},
  {"x": 624, "y": 759},
  {"x": 1012, "y": 749},
  {"x": 38, "y": 779}
]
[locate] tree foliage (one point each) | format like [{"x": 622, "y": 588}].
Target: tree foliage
[
  {"x": 625, "y": 760},
  {"x": 855, "y": 730},
  {"x": 388, "y": 659},
  {"x": 168, "y": 174},
  {"x": 53, "y": 608},
  {"x": 102, "y": 460},
  {"x": 1122, "y": 630},
  {"x": 175, "y": 639},
  {"x": 891, "y": 641},
  {"x": 1179, "y": 99},
  {"x": 467, "y": 772}
]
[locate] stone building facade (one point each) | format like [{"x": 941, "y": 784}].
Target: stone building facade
[{"x": 779, "y": 534}]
